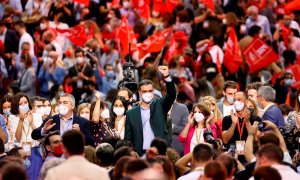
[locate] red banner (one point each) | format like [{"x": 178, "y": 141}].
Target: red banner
[
  {"x": 84, "y": 2},
  {"x": 232, "y": 52},
  {"x": 76, "y": 34},
  {"x": 124, "y": 36},
  {"x": 259, "y": 55},
  {"x": 294, "y": 5},
  {"x": 295, "y": 70},
  {"x": 209, "y": 4}
]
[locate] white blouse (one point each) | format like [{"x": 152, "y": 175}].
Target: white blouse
[
  {"x": 13, "y": 122},
  {"x": 121, "y": 128},
  {"x": 197, "y": 138}
]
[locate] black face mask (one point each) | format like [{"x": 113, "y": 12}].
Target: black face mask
[{"x": 251, "y": 110}]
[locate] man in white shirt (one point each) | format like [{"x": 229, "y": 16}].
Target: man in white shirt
[
  {"x": 25, "y": 37},
  {"x": 271, "y": 155},
  {"x": 225, "y": 105},
  {"x": 202, "y": 154}
]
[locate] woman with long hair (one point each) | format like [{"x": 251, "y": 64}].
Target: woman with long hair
[
  {"x": 118, "y": 115},
  {"x": 199, "y": 123}
]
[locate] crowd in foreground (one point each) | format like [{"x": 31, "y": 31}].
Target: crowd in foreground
[{"x": 82, "y": 97}]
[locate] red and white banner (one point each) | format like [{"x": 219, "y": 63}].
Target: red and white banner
[
  {"x": 259, "y": 55},
  {"x": 84, "y": 2},
  {"x": 232, "y": 52},
  {"x": 143, "y": 7},
  {"x": 124, "y": 36},
  {"x": 295, "y": 70}
]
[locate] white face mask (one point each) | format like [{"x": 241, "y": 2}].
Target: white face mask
[
  {"x": 299, "y": 98},
  {"x": 40, "y": 111},
  {"x": 43, "y": 26},
  {"x": 119, "y": 111},
  {"x": 238, "y": 105},
  {"x": 105, "y": 114},
  {"x": 86, "y": 116},
  {"x": 6, "y": 111},
  {"x": 47, "y": 110},
  {"x": 24, "y": 108},
  {"x": 62, "y": 109},
  {"x": 147, "y": 97},
  {"x": 230, "y": 100},
  {"x": 79, "y": 60},
  {"x": 198, "y": 117}
]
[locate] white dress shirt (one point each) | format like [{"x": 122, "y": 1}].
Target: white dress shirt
[{"x": 26, "y": 38}]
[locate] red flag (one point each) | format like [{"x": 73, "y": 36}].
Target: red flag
[
  {"x": 115, "y": 3},
  {"x": 158, "y": 5},
  {"x": 172, "y": 48},
  {"x": 232, "y": 55},
  {"x": 259, "y": 55},
  {"x": 84, "y": 2},
  {"x": 294, "y": 5},
  {"x": 154, "y": 43},
  {"x": 295, "y": 70},
  {"x": 76, "y": 34},
  {"x": 171, "y": 5},
  {"x": 143, "y": 7},
  {"x": 124, "y": 36},
  {"x": 209, "y": 4}
]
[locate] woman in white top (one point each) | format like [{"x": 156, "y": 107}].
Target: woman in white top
[
  {"x": 84, "y": 110},
  {"x": 118, "y": 115},
  {"x": 22, "y": 121}
]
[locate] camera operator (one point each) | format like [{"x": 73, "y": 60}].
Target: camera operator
[{"x": 234, "y": 132}]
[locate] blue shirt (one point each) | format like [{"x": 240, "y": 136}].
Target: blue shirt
[
  {"x": 57, "y": 77},
  {"x": 65, "y": 125},
  {"x": 148, "y": 134},
  {"x": 3, "y": 126},
  {"x": 104, "y": 84},
  {"x": 274, "y": 114}
]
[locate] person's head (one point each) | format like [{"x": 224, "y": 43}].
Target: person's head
[
  {"x": 37, "y": 105},
  {"x": 265, "y": 95},
  {"x": 84, "y": 110},
  {"x": 20, "y": 27},
  {"x": 266, "y": 173},
  {"x": 20, "y": 102},
  {"x": 146, "y": 91},
  {"x": 79, "y": 57},
  {"x": 135, "y": 166},
  {"x": 211, "y": 102},
  {"x": 119, "y": 107},
  {"x": 44, "y": 23},
  {"x": 47, "y": 106},
  {"x": 111, "y": 44},
  {"x": 163, "y": 165},
  {"x": 90, "y": 154},
  {"x": 124, "y": 151},
  {"x": 239, "y": 101},
  {"x": 48, "y": 37},
  {"x": 5, "y": 104},
  {"x": 2, "y": 27},
  {"x": 49, "y": 164},
  {"x": 254, "y": 31},
  {"x": 252, "y": 12},
  {"x": 125, "y": 93},
  {"x": 25, "y": 61},
  {"x": 25, "y": 47},
  {"x": 287, "y": 19},
  {"x": 214, "y": 171},
  {"x": 73, "y": 143},
  {"x": 53, "y": 143},
  {"x": 109, "y": 72},
  {"x": 53, "y": 55},
  {"x": 18, "y": 153},
  {"x": 252, "y": 90},
  {"x": 231, "y": 19},
  {"x": 200, "y": 114},
  {"x": 13, "y": 171},
  {"x": 251, "y": 106},
  {"x": 104, "y": 112},
  {"x": 157, "y": 147},
  {"x": 66, "y": 104},
  {"x": 268, "y": 137},
  {"x": 230, "y": 88},
  {"x": 289, "y": 57},
  {"x": 120, "y": 166},
  {"x": 206, "y": 57},
  {"x": 268, "y": 155},
  {"x": 285, "y": 110},
  {"x": 105, "y": 154},
  {"x": 202, "y": 154},
  {"x": 228, "y": 161}
]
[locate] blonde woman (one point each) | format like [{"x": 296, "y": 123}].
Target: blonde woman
[
  {"x": 211, "y": 103},
  {"x": 83, "y": 110}
]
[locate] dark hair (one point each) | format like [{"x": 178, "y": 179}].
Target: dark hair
[
  {"x": 105, "y": 154},
  {"x": 15, "y": 152},
  {"x": 103, "y": 104},
  {"x": 285, "y": 109},
  {"x": 266, "y": 173},
  {"x": 160, "y": 145},
  {"x": 268, "y": 137},
  {"x": 228, "y": 161},
  {"x": 27, "y": 60},
  {"x": 122, "y": 143},
  {"x": 254, "y": 85},
  {"x": 121, "y": 152},
  {"x": 271, "y": 152},
  {"x": 289, "y": 57},
  {"x": 202, "y": 153},
  {"x": 4, "y": 99},
  {"x": 204, "y": 110},
  {"x": 113, "y": 43},
  {"x": 144, "y": 83},
  {"x": 254, "y": 30},
  {"x": 74, "y": 142},
  {"x": 111, "y": 94},
  {"x": 215, "y": 171},
  {"x": 15, "y": 103},
  {"x": 49, "y": 135},
  {"x": 167, "y": 165},
  {"x": 34, "y": 99},
  {"x": 183, "y": 16},
  {"x": 120, "y": 167},
  {"x": 113, "y": 115},
  {"x": 13, "y": 171},
  {"x": 130, "y": 94},
  {"x": 20, "y": 23},
  {"x": 2, "y": 148},
  {"x": 230, "y": 84},
  {"x": 78, "y": 50},
  {"x": 105, "y": 66},
  {"x": 135, "y": 166}
]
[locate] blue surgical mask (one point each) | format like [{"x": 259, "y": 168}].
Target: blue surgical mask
[
  {"x": 6, "y": 111},
  {"x": 110, "y": 75},
  {"x": 26, "y": 164},
  {"x": 24, "y": 108},
  {"x": 60, "y": 93}
]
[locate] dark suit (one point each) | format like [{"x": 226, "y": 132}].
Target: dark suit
[
  {"x": 11, "y": 41},
  {"x": 158, "y": 120},
  {"x": 83, "y": 124}
]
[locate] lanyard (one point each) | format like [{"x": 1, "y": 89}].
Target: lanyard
[
  {"x": 26, "y": 133},
  {"x": 241, "y": 130}
]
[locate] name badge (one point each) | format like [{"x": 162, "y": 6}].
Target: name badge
[
  {"x": 79, "y": 83},
  {"x": 27, "y": 148},
  {"x": 240, "y": 147}
]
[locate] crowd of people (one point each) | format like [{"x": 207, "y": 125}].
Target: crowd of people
[{"x": 79, "y": 108}]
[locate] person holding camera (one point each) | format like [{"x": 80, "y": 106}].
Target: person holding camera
[{"x": 199, "y": 125}]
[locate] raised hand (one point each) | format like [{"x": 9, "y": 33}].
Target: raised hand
[
  {"x": 48, "y": 125},
  {"x": 98, "y": 95},
  {"x": 191, "y": 119},
  {"x": 164, "y": 70},
  {"x": 76, "y": 127},
  {"x": 234, "y": 117}
]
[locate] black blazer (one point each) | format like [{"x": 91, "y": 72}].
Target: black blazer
[
  {"x": 84, "y": 125},
  {"x": 11, "y": 41}
]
